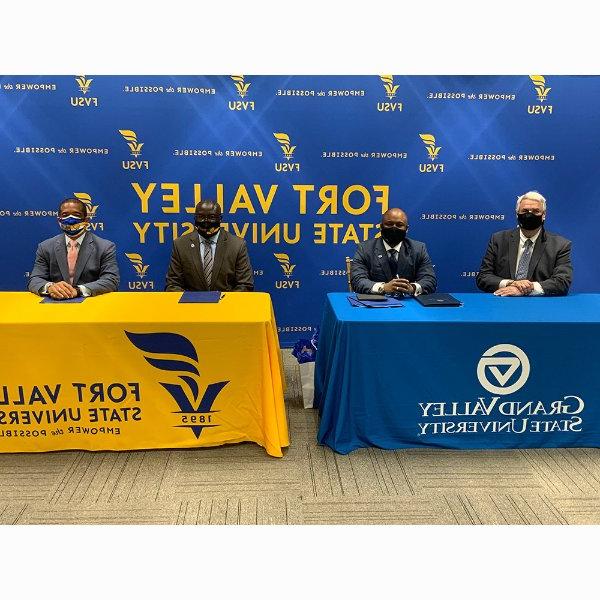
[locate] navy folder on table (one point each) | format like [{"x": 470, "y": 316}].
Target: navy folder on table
[{"x": 200, "y": 297}]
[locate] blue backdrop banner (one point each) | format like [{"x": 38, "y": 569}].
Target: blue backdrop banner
[{"x": 303, "y": 166}]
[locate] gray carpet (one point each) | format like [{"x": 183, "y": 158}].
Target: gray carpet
[{"x": 240, "y": 484}]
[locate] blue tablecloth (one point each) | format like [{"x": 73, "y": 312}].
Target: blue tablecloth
[{"x": 493, "y": 373}]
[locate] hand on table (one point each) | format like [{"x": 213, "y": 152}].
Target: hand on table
[
  {"x": 62, "y": 291},
  {"x": 397, "y": 285},
  {"x": 523, "y": 285},
  {"x": 509, "y": 290}
]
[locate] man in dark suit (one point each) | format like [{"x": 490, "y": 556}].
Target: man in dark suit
[
  {"x": 209, "y": 258},
  {"x": 75, "y": 262},
  {"x": 528, "y": 260},
  {"x": 393, "y": 263}
]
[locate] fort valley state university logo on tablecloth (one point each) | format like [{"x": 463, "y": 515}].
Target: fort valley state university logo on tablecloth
[
  {"x": 502, "y": 370},
  {"x": 175, "y": 354}
]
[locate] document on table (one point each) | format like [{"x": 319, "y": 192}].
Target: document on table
[{"x": 387, "y": 303}]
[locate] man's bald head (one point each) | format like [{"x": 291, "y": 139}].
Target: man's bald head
[
  {"x": 394, "y": 217},
  {"x": 207, "y": 208}
]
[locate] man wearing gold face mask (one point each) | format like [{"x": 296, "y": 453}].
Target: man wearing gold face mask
[
  {"x": 209, "y": 258},
  {"x": 75, "y": 262}
]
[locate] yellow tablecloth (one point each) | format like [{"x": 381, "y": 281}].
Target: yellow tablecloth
[{"x": 133, "y": 370}]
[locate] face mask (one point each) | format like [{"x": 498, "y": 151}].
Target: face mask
[
  {"x": 208, "y": 228},
  {"x": 529, "y": 221},
  {"x": 392, "y": 235},
  {"x": 72, "y": 225}
]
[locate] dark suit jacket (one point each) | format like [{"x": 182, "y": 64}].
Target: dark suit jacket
[
  {"x": 550, "y": 263},
  {"x": 370, "y": 265},
  {"x": 231, "y": 271},
  {"x": 96, "y": 266}
]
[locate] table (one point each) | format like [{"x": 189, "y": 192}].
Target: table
[
  {"x": 493, "y": 373},
  {"x": 133, "y": 370}
]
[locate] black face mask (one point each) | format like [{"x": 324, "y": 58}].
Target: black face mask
[
  {"x": 529, "y": 221},
  {"x": 208, "y": 228},
  {"x": 392, "y": 235}
]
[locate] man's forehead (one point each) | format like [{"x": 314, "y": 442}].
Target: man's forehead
[
  {"x": 71, "y": 206},
  {"x": 531, "y": 202},
  {"x": 395, "y": 216}
]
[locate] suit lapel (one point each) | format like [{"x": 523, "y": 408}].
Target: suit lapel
[
  {"x": 538, "y": 250},
  {"x": 405, "y": 260},
  {"x": 219, "y": 255},
  {"x": 194, "y": 248},
  {"x": 382, "y": 257},
  {"x": 513, "y": 250},
  {"x": 60, "y": 247},
  {"x": 85, "y": 251}
]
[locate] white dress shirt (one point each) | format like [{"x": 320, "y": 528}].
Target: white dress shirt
[
  {"x": 378, "y": 287},
  {"x": 537, "y": 288}
]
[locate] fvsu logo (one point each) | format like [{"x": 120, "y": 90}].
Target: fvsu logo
[
  {"x": 92, "y": 211},
  {"x": 135, "y": 147},
  {"x": 288, "y": 269},
  {"x": 502, "y": 362},
  {"x": 390, "y": 92},
  {"x": 84, "y": 87},
  {"x": 539, "y": 83},
  {"x": 288, "y": 153},
  {"x": 141, "y": 271},
  {"x": 433, "y": 153},
  {"x": 176, "y": 355},
  {"x": 241, "y": 87}
]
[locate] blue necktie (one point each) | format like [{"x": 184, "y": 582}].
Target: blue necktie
[
  {"x": 523, "y": 265},
  {"x": 393, "y": 261}
]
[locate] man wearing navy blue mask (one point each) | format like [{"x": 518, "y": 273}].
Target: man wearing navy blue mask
[
  {"x": 393, "y": 263},
  {"x": 76, "y": 262},
  {"x": 527, "y": 260}
]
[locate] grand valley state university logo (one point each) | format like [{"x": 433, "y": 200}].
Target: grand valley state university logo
[
  {"x": 175, "y": 354},
  {"x": 502, "y": 362}
]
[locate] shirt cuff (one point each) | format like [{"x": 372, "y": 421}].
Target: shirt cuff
[
  {"x": 44, "y": 290},
  {"x": 84, "y": 291},
  {"x": 504, "y": 283},
  {"x": 538, "y": 290},
  {"x": 377, "y": 288},
  {"x": 418, "y": 289}
]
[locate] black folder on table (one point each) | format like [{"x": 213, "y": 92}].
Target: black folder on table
[{"x": 438, "y": 300}]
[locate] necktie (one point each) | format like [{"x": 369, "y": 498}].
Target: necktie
[
  {"x": 207, "y": 259},
  {"x": 393, "y": 261},
  {"x": 523, "y": 265},
  {"x": 72, "y": 258}
]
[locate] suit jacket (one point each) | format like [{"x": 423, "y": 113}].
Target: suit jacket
[
  {"x": 96, "y": 265},
  {"x": 550, "y": 263},
  {"x": 231, "y": 271},
  {"x": 370, "y": 265}
]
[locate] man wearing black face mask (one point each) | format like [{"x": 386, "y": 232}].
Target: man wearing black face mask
[
  {"x": 528, "y": 260},
  {"x": 209, "y": 258},
  {"x": 76, "y": 262},
  {"x": 393, "y": 263}
]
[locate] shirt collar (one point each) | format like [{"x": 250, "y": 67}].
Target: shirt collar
[
  {"x": 388, "y": 247},
  {"x": 79, "y": 240},
  {"x": 525, "y": 238}
]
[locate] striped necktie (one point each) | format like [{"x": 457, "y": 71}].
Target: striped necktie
[{"x": 207, "y": 259}]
